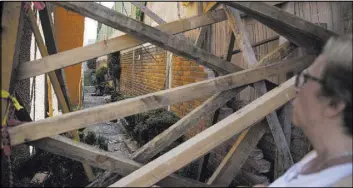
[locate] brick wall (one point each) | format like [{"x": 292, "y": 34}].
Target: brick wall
[{"x": 143, "y": 74}]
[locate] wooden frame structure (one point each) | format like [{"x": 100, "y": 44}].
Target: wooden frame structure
[{"x": 248, "y": 122}]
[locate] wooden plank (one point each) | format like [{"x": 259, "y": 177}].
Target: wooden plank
[
  {"x": 297, "y": 30},
  {"x": 44, "y": 52},
  {"x": 286, "y": 121},
  {"x": 260, "y": 165},
  {"x": 149, "y": 34},
  {"x": 228, "y": 158},
  {"x": 104, "y": 160},
  {"x": 229, "y": 45},
  {"x": 11, "y": 33},
  {"x": 56, "y": 85},
  {"x": 149, "y": 13},
  {"x": 50, "y": 42},
  {"x": 256, "y": 154},
  {"x": 203, "y": 31},
  {"x": 241, "y": 37},
  {"x": 284, "y": 154},
  {"x": 235, "y": 158},
  {"x": 83, "y": 118},
  {"x": 258, "y": 43},
  {"x": 277, "y": 54},
  {"x": 109, "y": 176},
  {"x": 81, "y": 54},
  {"x": 105, "y": 178},
  {"x": 285, "y": 118},
  {"x": 208, "y": 139},
  {"x": 255, "y": 179},
  {"x": 167, "y": 137}
]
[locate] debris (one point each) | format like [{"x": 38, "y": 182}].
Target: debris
[{"x": 40, "y": 177}]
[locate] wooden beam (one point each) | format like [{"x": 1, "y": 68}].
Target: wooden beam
[
  {"x": 286, "y": 121},
  {"x": 258, "y": 43},
  {"x": 149, "y": 34},
  {"x": 284, "y": 154},
  {"x": 205, "y": 34},
  {"x": 229, "y": 45},
  {"x": 202, "y": 35},
  {"x": 297, "y": 30},
  {"x": 109, "y": 176},
  {"x": 56, "y": 85},
  {"x": 277, "y": 54},
  {"x": 105, "y": 178},
  {"x": 50, "y": 42},
  {"x": 12, "y": 20},
  {"x": 104, "y": 160},
  {"x": 259, "y": 165},
  {"x": 81, "y": 54},
  {"x": 149, "y": 13},
  {"x": 83, "y": 118},
  {"x": 44, "y": 53},
  {"x": 254, "y": 179},
  {"x": 210, "y": 138},
  {"x": 167, "y": 137},
  {"x": 240, "y": 34},
  {"x": 237, "y": 155}
]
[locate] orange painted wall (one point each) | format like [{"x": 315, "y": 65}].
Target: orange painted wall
[{"x": 69, "y": 28}]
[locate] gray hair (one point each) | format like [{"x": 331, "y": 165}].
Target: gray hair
[{"x": 337, "y": 76}]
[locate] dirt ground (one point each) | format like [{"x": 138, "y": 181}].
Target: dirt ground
[{"x": 61, "y": 171}]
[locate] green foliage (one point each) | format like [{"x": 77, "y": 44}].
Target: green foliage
[
  {"x": 100, "y": 72},
  {"x": 91, "y": 64},
  {"x": 90, "y": 138},
  {"x": 145, "y": 126},
  {"x": 102, "y": 143},
  {"x": 81, "y": 135}
]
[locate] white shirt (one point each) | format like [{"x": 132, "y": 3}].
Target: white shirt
[{"x": 326, "y": 177}]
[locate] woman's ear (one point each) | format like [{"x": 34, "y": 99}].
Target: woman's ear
[{"x": 334, "y": 108}]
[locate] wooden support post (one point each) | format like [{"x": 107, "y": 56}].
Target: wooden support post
[
  {"x": 286, "y": 122},
  {"x": 285, "y": 118},
  {"x": 50, "y": 42},
  {"x": 81, "y": 54},
  {"x": 208, "y": 139},
  {"x": 297, "y": 30},
  {"x": 83, "y": 118},
  {"x": 205, "y": 34},
  {"x": 11, "y": 33},
  {"x": 224, "y": 168},
  {"x": 237, "y": 155},
  {"x": 149, "y": 34},
  {"x": 230, "y": 45},
  {"x": 50, "y": 97},
  {"x": 165, "y": 138},
  {"x": 238, "y": 27},
  {"x": 56, "y": 85},
  {"x": 84, "y": 153},
  {"x": 105, "y": 160}
]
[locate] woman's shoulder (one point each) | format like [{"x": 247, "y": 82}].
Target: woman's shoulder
[{"x": 344, "y": 182}]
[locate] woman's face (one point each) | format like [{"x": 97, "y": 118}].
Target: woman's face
[{"x": 308, "y": 108}]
